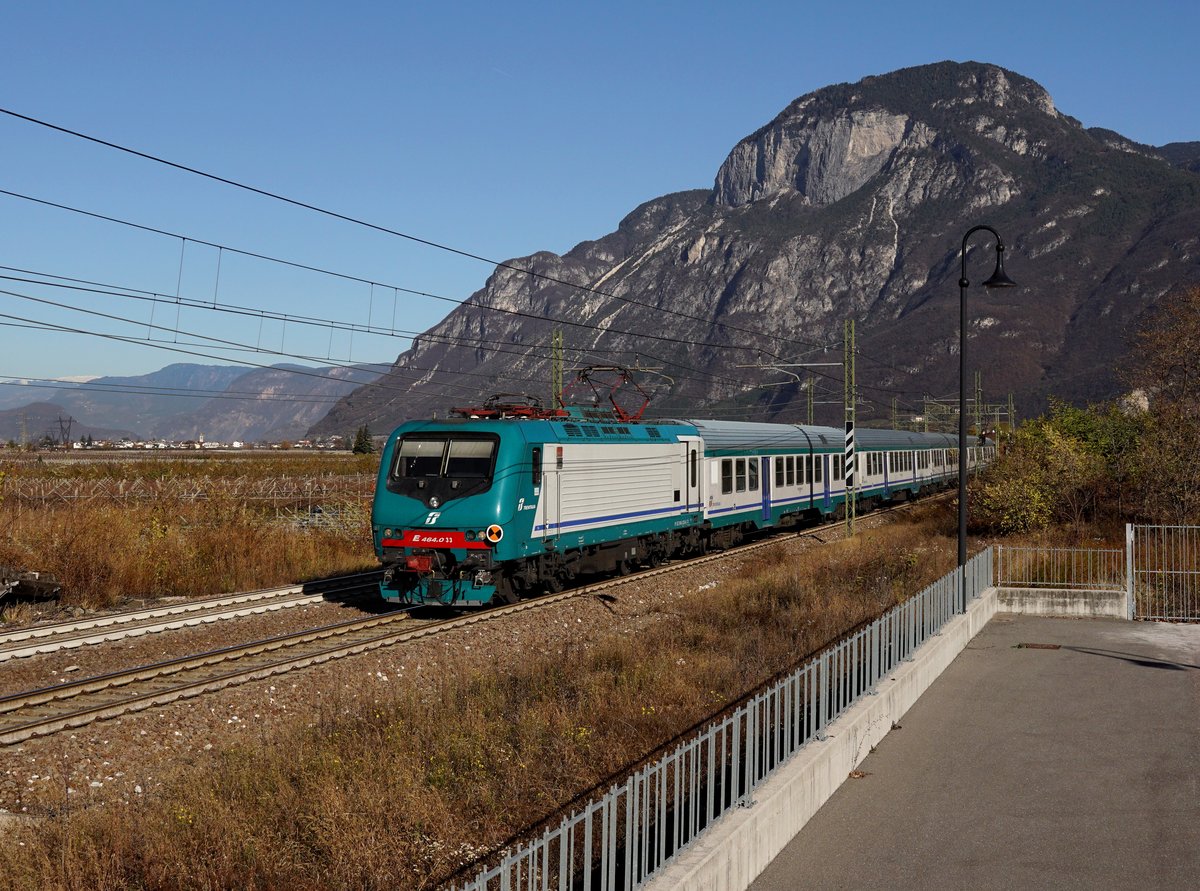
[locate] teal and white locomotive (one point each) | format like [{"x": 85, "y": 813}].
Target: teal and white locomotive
[{"x": 476, "y": 510}]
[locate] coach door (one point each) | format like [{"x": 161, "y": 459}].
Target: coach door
[
  {"x": 825, "y": 462},
  {"x": 765, "y": 476},
  {"x": 693, "y": 460}
]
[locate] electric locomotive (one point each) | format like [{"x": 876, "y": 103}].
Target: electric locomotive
[{"x": 476, "y": 510}]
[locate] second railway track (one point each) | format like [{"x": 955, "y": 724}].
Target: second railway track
[{"x": 38, "y": 639}]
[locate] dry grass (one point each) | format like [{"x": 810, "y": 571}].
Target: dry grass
[
  {"x": 400, "y": 794},
  {"x": 104, "y": 551}
]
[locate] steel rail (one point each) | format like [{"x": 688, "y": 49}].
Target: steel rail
[
  {"x": 122, "y": 692},
  {"x": 116, "y": 626}
]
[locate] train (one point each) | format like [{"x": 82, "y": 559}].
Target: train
[{"x": 475, "y": 510}]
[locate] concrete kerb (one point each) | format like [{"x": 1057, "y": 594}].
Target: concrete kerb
[{"x": 738, "y": 848}]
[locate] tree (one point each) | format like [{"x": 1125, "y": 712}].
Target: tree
[
  {"x": 1165, "y": 367},
  {"x": 1067, "y": 467},
  {"x": 1165, "y": 364},
  {"x": 362, "y": 441}
]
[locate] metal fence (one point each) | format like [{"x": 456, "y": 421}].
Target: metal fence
[
  {"x": 1087, "y": 569},
  {"x": 619, "y": 840},
  {"x": 1164, "y": 572}
]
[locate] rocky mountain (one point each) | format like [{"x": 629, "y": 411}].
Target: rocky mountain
[
  {"x": 851, "y": 204},
  {"x": 186, "y": 402}
]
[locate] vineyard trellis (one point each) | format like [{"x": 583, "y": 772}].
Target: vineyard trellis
[{"x": 310, "y": 494}]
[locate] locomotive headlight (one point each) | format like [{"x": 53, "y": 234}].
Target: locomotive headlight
[
  {"x": 387, "y": 533},
  {"x": 470, "y": 535}
]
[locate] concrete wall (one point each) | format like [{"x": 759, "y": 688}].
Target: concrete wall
[
  {"x": 736, "y": 849},
  {"x": 1064, "y": 602}
]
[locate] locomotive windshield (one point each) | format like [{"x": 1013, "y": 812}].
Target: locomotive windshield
[{"x": 449, "y": 466}]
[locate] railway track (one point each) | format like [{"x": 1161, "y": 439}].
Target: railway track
[
  {"x": 116, "y": 626},
  {"x": 76, "y": 704}
]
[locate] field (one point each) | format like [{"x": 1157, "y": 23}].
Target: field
[
  {"x": 402, "y": 789},
  {"x": 112, "y": 530}
]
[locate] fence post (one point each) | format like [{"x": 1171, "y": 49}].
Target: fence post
[{"x": 1129, "y": 602}]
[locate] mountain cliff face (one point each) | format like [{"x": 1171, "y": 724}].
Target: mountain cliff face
[{"x": 851, "y": 203}]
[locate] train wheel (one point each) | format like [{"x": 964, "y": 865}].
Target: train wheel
[{"x": 505, "y": 593}]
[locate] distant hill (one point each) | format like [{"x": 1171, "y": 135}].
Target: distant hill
[
  {"x": 286, "y": 401},
  {"x": 188, "y": 401},
  {"x": 851, "y": 204},
  {"x": 31, "y": 423}
]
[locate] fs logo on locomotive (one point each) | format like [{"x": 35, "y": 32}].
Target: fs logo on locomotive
[{"x": 432, "y": 518}]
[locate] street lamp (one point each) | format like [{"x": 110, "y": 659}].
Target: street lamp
[{"x": 998, "y": 280}]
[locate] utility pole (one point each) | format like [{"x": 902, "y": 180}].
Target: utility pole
[
  {"x": 851, "y": 397},
  {"x": 812, "y": 382},
  {"x": 895, "y": 414},
  {"x": 556, "y": 369}
]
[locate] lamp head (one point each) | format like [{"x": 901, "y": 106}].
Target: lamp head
[{"x": 999, "y": 279}]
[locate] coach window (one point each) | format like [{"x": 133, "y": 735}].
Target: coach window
[
  {"x": 779, "y": 463},
  {"x": 726, "y": 476},
  {"x": 791, "y": 470},
  {"x": 753, "y": 485},
  {"x": 740, "y": 474},
  {"x": 819, "y": 467}
]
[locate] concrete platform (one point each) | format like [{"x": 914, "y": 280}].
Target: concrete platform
[{"x": 1027, "y": 767}]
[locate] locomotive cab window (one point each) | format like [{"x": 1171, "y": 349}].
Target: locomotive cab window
[{"x": 446, "y": 466}]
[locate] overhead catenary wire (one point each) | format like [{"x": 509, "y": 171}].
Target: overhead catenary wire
[
  {"x": 772, "y": 336},
  {"x": 105, "y": 289},
  {"x": 366, "y": 281},
  {"x": 172, "y": 347},
  {"x": 429, "y": 335}
]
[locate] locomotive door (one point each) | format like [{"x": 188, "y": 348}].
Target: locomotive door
[{"x": 551, "y": 497}]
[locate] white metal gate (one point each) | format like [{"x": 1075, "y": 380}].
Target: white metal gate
[{"x": 1163, "y": 579}]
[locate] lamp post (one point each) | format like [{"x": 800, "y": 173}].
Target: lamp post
[{"x": 998, "y": 280}]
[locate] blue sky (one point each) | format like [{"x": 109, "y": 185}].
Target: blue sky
[{"x": 499, "y": 129}]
